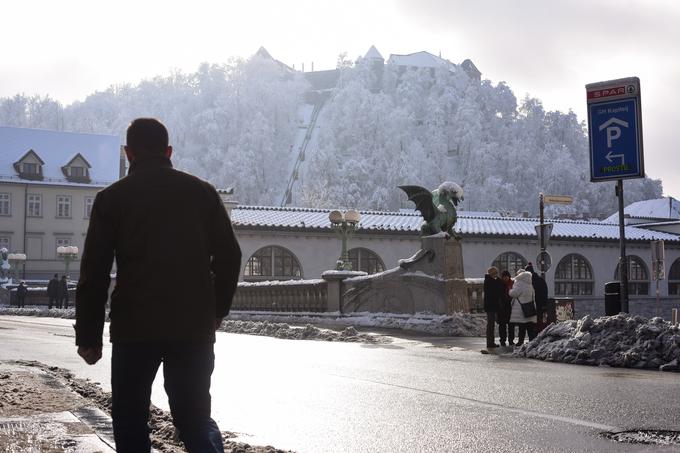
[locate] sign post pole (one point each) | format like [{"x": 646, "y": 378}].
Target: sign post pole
[
  {"x": 616, "y": 151},
  {"x": 623, "y": 265},
  {"x": 542, "y": 220}
]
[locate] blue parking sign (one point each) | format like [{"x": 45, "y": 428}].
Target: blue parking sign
[{"x": 615, "y": 130}]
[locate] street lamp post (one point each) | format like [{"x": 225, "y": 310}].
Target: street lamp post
[
  {"x": 14, "y": 260},
  {"x": 345, "y": 224},
  {"x": 68, "y": 253}
]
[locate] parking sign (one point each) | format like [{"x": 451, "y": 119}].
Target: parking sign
[{"x": 615, "y": 130}]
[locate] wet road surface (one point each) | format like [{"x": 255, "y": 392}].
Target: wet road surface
[{"x": 416, "y": 394}]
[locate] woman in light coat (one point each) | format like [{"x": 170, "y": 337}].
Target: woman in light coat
[{"x": 522, "y": 291}]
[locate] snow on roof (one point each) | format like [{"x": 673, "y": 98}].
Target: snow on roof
[
  {"x": 373, "y": 54},
  {"x": 260, "y": 217},
  {"x": 657, "y": 209},
  {"x": 420, "y": 59},
  {"x": 57, "y": 149}
]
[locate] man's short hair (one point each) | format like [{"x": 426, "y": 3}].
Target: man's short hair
[{"x": 147, "y": 136}]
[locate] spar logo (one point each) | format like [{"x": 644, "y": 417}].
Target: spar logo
[{"x": 612, "y": 91}]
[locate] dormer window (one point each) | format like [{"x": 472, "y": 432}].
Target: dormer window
[
  {"x": 77, "y": 169},
  {"x": 29, "y": 166}
]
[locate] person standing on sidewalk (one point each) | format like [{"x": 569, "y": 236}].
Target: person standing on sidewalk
[
  {"x": 493, "y": 292},
  {"x": 506, "y": 331},
  {"x": 178, "y": 263},
  {"x": 62, "y": 293},
  {"x": 53, "y": 291},
  {"x": 541, "y": 290},
  {"x": 22, "y": 291},
  {"x": 522, "y": 292}
]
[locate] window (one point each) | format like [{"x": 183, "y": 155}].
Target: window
[
  {"x": 365, "y": 260},
  {"x": 573, "y": 277},
  {"x": 88, "y": 206},
  {"x": 674, "y": 279},
  {"x": 274, "y": 263},
  {"x": 63, "y": 242},
  {"x": 78, "y": 172},
  {"x": 4, "y": 243},
  {"x": 29, "y": 168},
  {"x": 34, "y": 205},
  {"x": 509, "y": 261},
  {"x": 64, "y": 206},
  {"x": 638, "y": 277},
  {"x": 5, "y": 204}
]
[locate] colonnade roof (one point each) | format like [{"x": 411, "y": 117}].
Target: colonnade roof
[{"x": 408, "y": 223}]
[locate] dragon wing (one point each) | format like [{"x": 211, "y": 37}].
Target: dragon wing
[{"x": 423, "y": 200}]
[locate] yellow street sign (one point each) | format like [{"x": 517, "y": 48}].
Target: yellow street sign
[{"x": 557, "y": 199}]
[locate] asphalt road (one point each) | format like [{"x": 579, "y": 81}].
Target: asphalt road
[{"x": 417, "y": 394}]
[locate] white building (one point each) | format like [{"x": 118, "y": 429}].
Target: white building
[
  {"x": 285, "y": 243},
  {"x": 48, "y": 181}
]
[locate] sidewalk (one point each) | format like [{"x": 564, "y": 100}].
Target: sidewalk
[{"x": 39, "y": 412}]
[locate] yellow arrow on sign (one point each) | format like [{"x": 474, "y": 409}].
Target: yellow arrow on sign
[{"x": 558, "y": 199}]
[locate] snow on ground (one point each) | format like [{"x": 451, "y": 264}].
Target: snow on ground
[
  {"x": 66, "y": 313},
  {"x": 308, "y": 332},
  {"x": 456, "y": 325},
  {"x": 275, "y": 324},
  {"x": 617, "y": 341}
]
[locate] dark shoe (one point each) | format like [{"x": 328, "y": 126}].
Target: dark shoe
[{"x": 492, "y": 345}]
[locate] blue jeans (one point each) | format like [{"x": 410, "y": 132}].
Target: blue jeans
[{"x": 187, "y": 368}]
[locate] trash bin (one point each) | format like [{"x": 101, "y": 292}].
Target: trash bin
[{"x": 612, "y": 298}]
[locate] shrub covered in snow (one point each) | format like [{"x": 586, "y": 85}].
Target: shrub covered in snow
[{"x": 617, "y": 341}]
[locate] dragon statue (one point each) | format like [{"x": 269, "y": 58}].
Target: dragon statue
[{"x": 438, "y": 207}]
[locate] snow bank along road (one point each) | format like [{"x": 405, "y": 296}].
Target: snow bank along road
[{"x": 421, "y": 394}]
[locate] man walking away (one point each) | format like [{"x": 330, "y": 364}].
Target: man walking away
[
  {"x": 493, "y": 291},
  {"x": 155, "y": 221},
  {"x": 53, "y": 291},
  {"x": 22, "y": 291},
  {"x": 62, "y": 294}
]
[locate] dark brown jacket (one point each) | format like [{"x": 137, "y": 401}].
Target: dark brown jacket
[{"x": 176, "y": 255}]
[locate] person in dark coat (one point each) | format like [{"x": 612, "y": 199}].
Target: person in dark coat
[
  {"x": 62, "y": 299},
  {"x": 506, "y": 331},
  {"x": 53, "y": 291},
  {"x": 22, "y": 292},
  {"x": 541, "y": 294},
  {"x": 493, "y": 293},
  {"x": 170, "y": 294}
]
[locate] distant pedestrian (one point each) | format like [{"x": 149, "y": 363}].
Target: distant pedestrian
[
  {"x": 53, "y": 291},
  {"x": 162, "y": 311},
  {"x": 506, "y": 330},
  {"x": 22, "y": 291},
  {"x": 541, "y": 294},
  {"x": 493, "y": 292},
  {"x": 62, "y": 296},
  {"x": 522, "y": 292}
]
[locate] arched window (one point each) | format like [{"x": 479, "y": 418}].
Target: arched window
[
  {"x": 272, "y": 263},
  {"x": 365, "y": 260},
  {"x": 674, "y": 279},
  {"x": 638, "y": 277},
  {"x": 509, "y": 261},
  {"x": 573, "y": 277}
]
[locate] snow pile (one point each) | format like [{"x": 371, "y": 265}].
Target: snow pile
[
  {"x": 308, "y": 332},
  {"x": 618, "y": 341},
  {"x": 456, "y": 325},
  {"x": 65, "y": 313}
]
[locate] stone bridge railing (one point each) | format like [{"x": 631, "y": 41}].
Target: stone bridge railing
[{"x": 287, "y": 295}]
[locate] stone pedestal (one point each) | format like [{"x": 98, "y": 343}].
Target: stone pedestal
[
  {"x": 447, "y": 260},
  {"x": 334, "y": 287}
]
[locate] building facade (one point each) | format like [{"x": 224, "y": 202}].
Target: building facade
[
  {"x": 48, "y": 181},
  {"x": 299, "y": 243}
]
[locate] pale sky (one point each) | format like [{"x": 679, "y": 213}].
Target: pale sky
[{"x": 549, "y": 49}]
